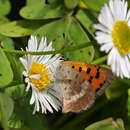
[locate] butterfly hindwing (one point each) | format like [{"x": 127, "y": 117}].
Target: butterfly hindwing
[{"x": 109, "y": 77}]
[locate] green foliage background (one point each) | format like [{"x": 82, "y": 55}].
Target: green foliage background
[{"x": 67, "y": 24}]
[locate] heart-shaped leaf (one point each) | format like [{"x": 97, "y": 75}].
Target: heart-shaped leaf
[
  {"x": 4, "y": 7},
  {"x": 107, "y": 124},
  {"x": 42, "y": 11},
  {"x": 20, "y": 28},
  {"x": 95, "y": 4},
  {"x": 71, "y": 3},
  {"x": 6, "y": 75}
]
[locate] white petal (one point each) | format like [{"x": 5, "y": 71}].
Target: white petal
[
  {"x": 109, "y": 61},
  {"x": 44, "y": 59},
  {"x": 42, "y": 44},
  {"x": 26, "y": 80},
  {"x": 102, "y": 37},
  {"x": 45, "y": 102},
  {"x": 49, "y": 47},
  {"x": 48, "y": 98},
  {"x": 25, "y": 73},
  {"x": 32, "y": 43},
  {"x": 128, "y": 16},
  {"x": 24, "y": 62},
  {"x": 43, "y": 107},
  {"x": 32, "y": 97},
  {"x": 101, "y": 28},
  {"x": 124, "y": 67},
  {"x": 34, "y": 111},
  {"x": 104, "y": 17},
  {"x": 106, "y": 47},
  {"x": 28, "y": 87}
]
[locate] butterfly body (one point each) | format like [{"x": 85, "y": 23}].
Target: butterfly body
[{"x": 81, "y": 83}]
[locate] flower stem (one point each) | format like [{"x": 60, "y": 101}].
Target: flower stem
[
  {"x": 99, "y": 60},
  {"x": 62, "y": 51}
]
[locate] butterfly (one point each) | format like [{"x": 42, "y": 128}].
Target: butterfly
[{"x": 81, "y": 83}]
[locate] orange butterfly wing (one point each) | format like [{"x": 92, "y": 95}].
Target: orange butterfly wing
[{"x": 99, "y": 77}]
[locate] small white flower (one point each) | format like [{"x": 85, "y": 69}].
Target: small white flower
[
  {"x": 114, "y": 36},
  {"x": 40, "y": 74}
]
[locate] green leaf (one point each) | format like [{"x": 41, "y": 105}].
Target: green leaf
[
  {"x": 127, "y": 81},
  {"x": 3, "y": 20},
  {"x": 3, "y": 115},
  {"x": 7, "y": 104},
  {"x": 20, "y": 28},
  {"x": 15, "y": 122},
  {"x": 107, "y": 124},
  {"x": 6, "y": 75},
  {"x": 75, "y": 32},
  {"x": 23, "y": 128},
  {"x": 33, "y": 121},
  {"x": 128, "y": 104},
  {"x": 95, "y": 5},
  {"x": 117, "y": 88},
  {"x": 34, "y": 2},
  {"x": 6, "y": 109},
  {"x": 8, "y": 43},
  {"x": 87, "y": 19},
  {"x": 17, "y": 67},
  {"x": 42, "y": 11},
  {"x": 71, "y": 3},
  {"x": 63, "y": 32},
  {"x": 52, "y": 31},
  {"x": 67, "y": 35},
  {"x": 17, "y": 118},
  {"x": 16, "y": 92},
  {"x": 4, "y": 7},
  {"x": 75, "y": 36},
  {"x": 84, "y": 55}
]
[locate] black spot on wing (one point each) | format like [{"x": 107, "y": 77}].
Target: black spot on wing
[
  {"x": 97, "y": 75},
  {"x": 98, "y": 68},
  {"x": 80, "y": 69},
  {"x": 90, "y": 79},
  {"x": 97, "y": 89},
  {"x": 73, "y": 66},
  {"x": 88, "y": 70},
  {"x": 101, "y": 85}
]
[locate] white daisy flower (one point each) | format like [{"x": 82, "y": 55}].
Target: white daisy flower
[
  {"x": 40, "y": 73},
  {"x": 114, "y": 36}
]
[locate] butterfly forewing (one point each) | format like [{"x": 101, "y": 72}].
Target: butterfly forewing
[{"x": 99, "y": 77}]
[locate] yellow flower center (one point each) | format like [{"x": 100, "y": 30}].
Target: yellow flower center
[
  {"x": 121, "y": 36},
  {"x": 44, "y": 76}
]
